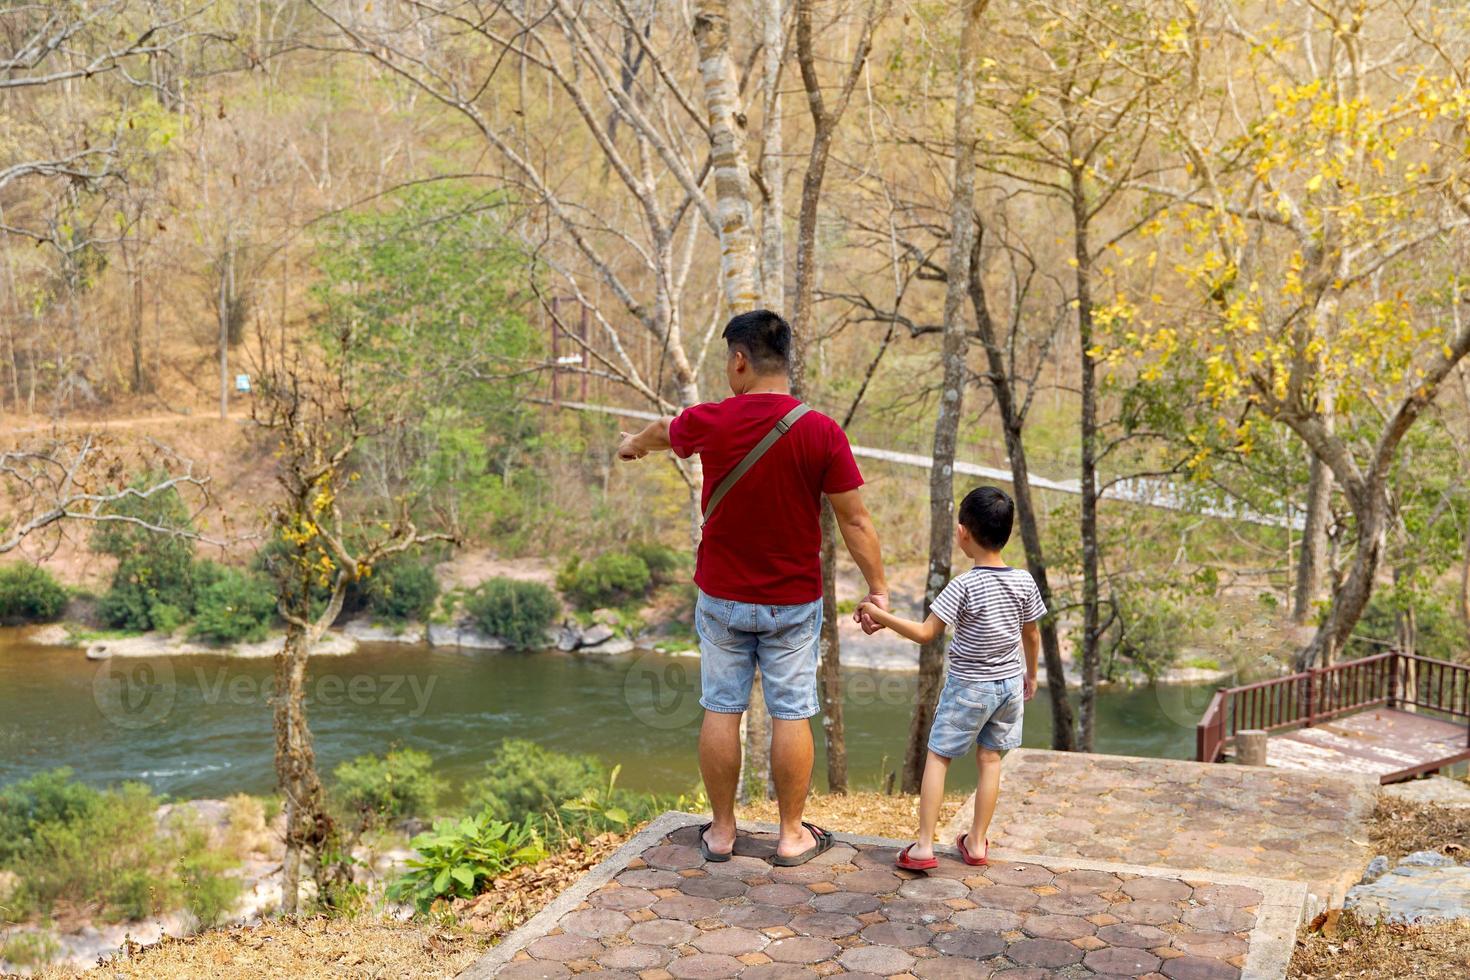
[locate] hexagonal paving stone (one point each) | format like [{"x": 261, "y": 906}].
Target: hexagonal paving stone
[
  {"x": 1198, "y": 968},
  {"x": 1066, "y": 927},
  {"x": 715, "y": 888},
  {"x": 733, "y": 941},
  {"x": 1010, "y": 873},
  {"x": 673, "y": 857},
  {"x": 905, "y": 934},
  {"x": 1133, "y": 934},
  {"x": 1072, "y": 903},
  {"x": 564, "y": 947},
  {"x": 801, "y": 949},
  {"x": 662, "y": 932},
  {"x": 649, "y": 878},
  {"x": 825, "y": 925},
  {"x": 950, "y": 968},
  {"x": 782, "y": 895},
  {"x": 739, "y": 866},
  {"x": 848, "y": 903},
  {"x": 596, "y": 923},
  {"x": 926, "y": 913},
  {"x": 1086, "y": 881},
  {"x": 873, "y": 882},
  {"x": 705, "y": 966},
  {"x": 1009, "y": 897},
  {"x": 635, "y": 957},
  {"x": 1235, "y": 895},
  {"x": 883, "y": 960},
  {"x": 987, "y": 920},
  {"x": 802, "y": 874},
  {"x": 686, "y": 907},
  {"x": 1148, "y": 913},
  {"x": 933, "y": 889},
  {"x": 1121, "y": 959},
  {"x": 1156, "y": 890},
  {"x": 755, "y": 916},
  {"x": 969, "y": 943},
  {"x": 1211, "y": 945},
  {"x": 1049, "y": 954},
  {"x": 778, "y": 971},
  {"x": 627, "y": 899},
  {"x": 1219, "y": 918},
  {"x": 533, "y": 970},
  {"x": 607, "y": 975}
]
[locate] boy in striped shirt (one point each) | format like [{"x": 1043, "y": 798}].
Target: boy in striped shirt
[{"x": 993, "y": 610}]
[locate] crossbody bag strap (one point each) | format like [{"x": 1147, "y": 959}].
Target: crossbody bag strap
[{"x": 782, "y": 426}]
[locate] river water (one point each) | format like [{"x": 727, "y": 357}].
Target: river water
[{"x": 200, "y": 726}]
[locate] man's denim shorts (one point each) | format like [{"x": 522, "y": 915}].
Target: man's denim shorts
[
  {"x": 971, "y": 713},
  {"x": 735, "y": 636}
]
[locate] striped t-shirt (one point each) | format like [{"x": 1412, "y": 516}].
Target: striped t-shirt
[{"x": 986, "y": 608}]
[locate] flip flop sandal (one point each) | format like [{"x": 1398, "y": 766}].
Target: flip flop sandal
[
  {"x": 967, "y": 857},
  {"x": 714, "y": 857},
  {"x": 824, "y": 841},
  {"x": 915, "y": 864}
]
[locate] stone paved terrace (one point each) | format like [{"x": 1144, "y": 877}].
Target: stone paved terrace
[
  {"x": 657, "y": 911},
  {"x": 1188, "y": 816}
]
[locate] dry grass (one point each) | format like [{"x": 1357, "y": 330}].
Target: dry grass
[
  {"x": 871, "y": 814},
  {"x": 1358, "y": 950},
  {"x": 517, "y": 896},
  {"x": 1402, "y": 826},
  {"x": 312, "y": 948}
]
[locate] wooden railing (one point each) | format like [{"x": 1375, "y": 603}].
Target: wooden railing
[{"x": 1312, "y": 696}]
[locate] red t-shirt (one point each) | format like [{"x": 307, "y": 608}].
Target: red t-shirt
[{"x": 763, "y": 543}]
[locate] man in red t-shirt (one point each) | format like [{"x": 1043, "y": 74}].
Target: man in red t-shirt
[{"x": 759, "y": 571}]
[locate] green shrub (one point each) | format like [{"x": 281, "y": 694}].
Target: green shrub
[
  {"x": 399, "y": 784},
  {"x": 611, "y": 578},
  {"x": 238, "y": 606},
  {"x": 155, "y": 569},
  {"x": 664, "y": 563},
  {"x": 525, "y": 780},
  {"x": 29, "y": 594},
  {"x": 402, "y": 589},
  {"x": 457, "y": 858},
  {"x": 102, "y": 848},
  {"x": 517, "y": 612},
  {"x": 208, "y": 893},
  {"x": 30, "y": 949}
]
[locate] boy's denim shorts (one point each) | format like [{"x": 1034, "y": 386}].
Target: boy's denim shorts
[
  {"x": 971, "y": 713},
  {"x": 736, "y": 636}
]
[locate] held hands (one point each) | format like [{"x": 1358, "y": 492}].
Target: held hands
[
  {"x": 628, "y": 448},
  {"x": 863, "y": 616},
  {"x": 1028, "y": 687}
]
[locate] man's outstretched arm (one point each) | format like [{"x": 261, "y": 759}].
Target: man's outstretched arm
[
  {"x": 653, "y": 438},
  {"x": 861, "y": 538}
]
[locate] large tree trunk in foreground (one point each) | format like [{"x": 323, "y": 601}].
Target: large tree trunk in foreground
[
  {"x": 308, "y": 828},
  {"x": 1064, "y": 727},
  {"x": 1091, "y": 562},
  {"x": 1314, "y": 543},
  {"x": 952, "y": 388},
  {"x": 829, "y": 673}
]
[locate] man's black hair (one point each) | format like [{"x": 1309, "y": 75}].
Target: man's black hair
[
  {"x": 988, "y": 513},
  {"x": 765, "y": 339}
]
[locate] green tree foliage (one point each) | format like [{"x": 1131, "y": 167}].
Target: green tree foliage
[
  {"x": 155, "y": 559},
  {"x": 402, "y": 588},
  {"x": 29, "y": 594},
  {"x": 517, "y": 612},
  {"x": 236, "y": 606},
  {"x": 434, "y": 284},
  {"x": 612, "y": 578},
  {"x": 399, "y": 784}
]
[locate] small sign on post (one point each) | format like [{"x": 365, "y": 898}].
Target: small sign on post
[{"x": 242, "y": 383}]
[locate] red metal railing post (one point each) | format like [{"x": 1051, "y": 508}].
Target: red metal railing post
[
  {"x": 1311, "y": 696},
  {"x": 1393, "y": 678}
]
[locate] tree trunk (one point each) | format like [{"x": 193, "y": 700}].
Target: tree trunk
[
  {"x": 1351, "y": 598},
  {"x": 834, "y": 729},
  {"x": 1314, "y": 542},
  {"x": 226, "y": 301},
  {"x": 1091, "y": 584},
  {"x": 1465, "y": 584},
  {"x": 727, "y": 155},
  {"x": 307, "y": 825},
  {"x": 1064, "y": 727},
  {"x": 952, "y": 388},
  {"x": 773, "y": 170}
]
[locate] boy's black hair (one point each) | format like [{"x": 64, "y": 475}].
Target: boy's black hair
[
  {"x": 988, "y": 514},
  {"x": 764, "y": 337}
]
